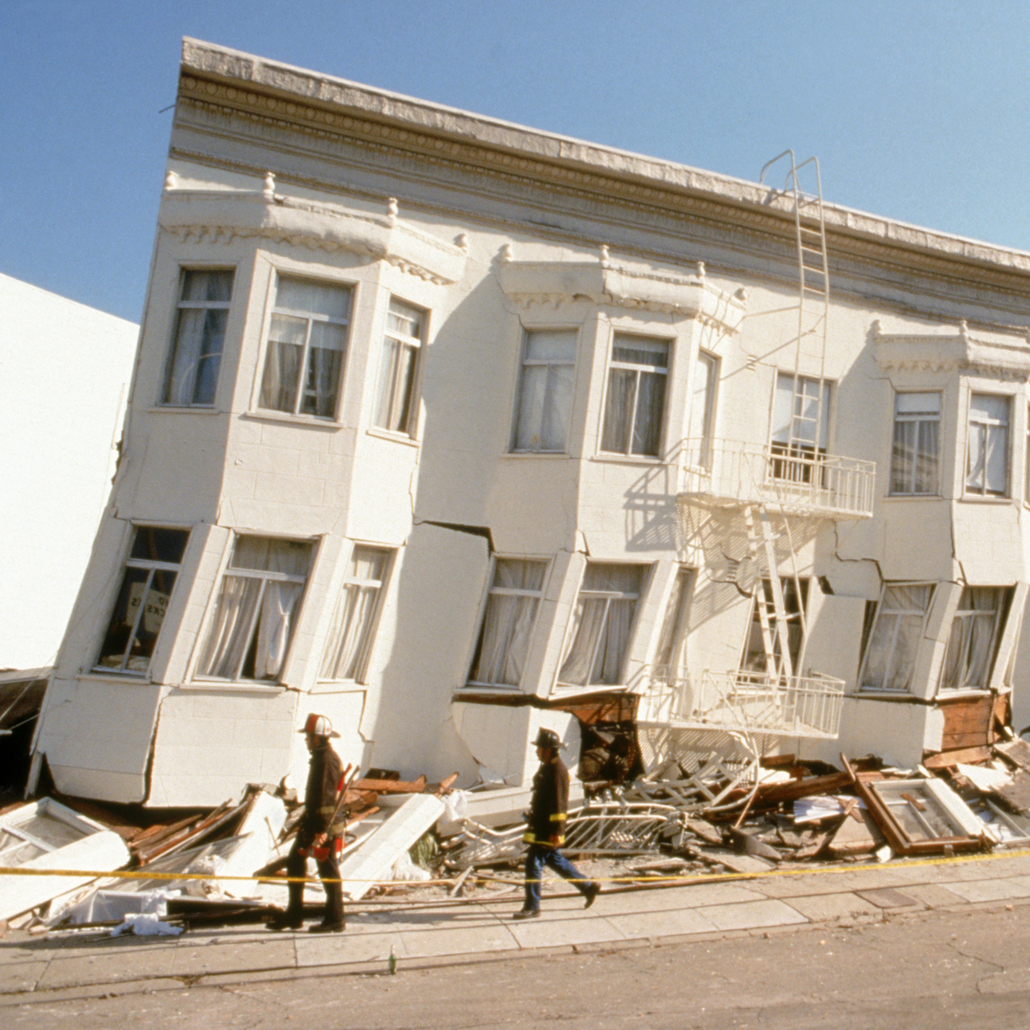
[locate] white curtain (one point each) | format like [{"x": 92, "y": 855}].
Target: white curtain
[
  {"x": 545, "y": 394},
  {"x": 199, "y": 337},
  {"x": 508, "y": 623},
  {"x": 894, "y": 642},
  {"x": 350, "y": 633},
  {"x": 282, "y": 363},
  {"x": 323, "y": 371},
  {"x": 971, "y": 642},
  {"x": 987, "y": 462}
]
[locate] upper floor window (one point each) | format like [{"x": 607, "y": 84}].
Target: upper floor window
[
  {"x": 801, "y": 426},
  {"x": 973, "y": 639},
  {"x": 508, "y": 621},
  {"x": 702, "y": 408},
  {"x": 139, "y": 611},
  {"x": 307, "y": 341},
  {"x": 890, "y": 655},
  {"x": 395, "y": 407},
  {"x": 915, "y": 457},
  {"x": 635, "y": 406},
  {"x": 254, "y": 616},
  {"x": 357, "y": 610},
  {"x": 203, "y": 313},
  {"x": 546, "y": 384},
  {"x": 987, "y": 447},
  {"x": 602, "y": 623}
]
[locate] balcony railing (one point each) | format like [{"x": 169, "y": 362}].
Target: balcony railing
[
  {"x": 794, "y": 478},
  {"x": 750, "y": 702}
]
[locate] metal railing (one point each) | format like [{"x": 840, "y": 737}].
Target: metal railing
[
  {"x": 794, "y": 478},
  {"x": 748, "y": 702}
]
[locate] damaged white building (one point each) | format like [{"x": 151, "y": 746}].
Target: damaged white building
[{"x": 450, "y": 428}]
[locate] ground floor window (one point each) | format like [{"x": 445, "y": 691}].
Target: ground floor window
[
  {"x": 973, "y": 639},
  {"x": 602, "y": 623},
  {"x": 763, "y": 622},
  {"x": 139, "y": 611},
  {"x": 890, "y": 655},
  {"x": 251, "y": 626}
]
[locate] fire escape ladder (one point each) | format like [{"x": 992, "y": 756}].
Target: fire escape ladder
[{"x": 774, "y": 623}]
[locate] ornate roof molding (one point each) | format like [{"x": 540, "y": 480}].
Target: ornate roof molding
[
  {"x": 554, "y": 283},
  {"x": 950, "y": 352},
  {"x": 325, "y": 106},
  {"x": 223, "y": 215}
]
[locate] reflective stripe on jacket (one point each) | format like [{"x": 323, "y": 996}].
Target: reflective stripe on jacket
[{"x": 548, "y": 809}]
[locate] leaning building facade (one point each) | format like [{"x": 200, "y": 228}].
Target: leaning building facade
[{"x": 449, "y": 428}]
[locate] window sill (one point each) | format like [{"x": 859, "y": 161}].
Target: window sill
[
  {"x": 183, "y": 409},
  {"x": 247, "y": 686},
  {"x": 115, "y": 676},
  {"x": 913, "y": 497},
  {"x": 945, "y": 694},
  {"x": 987, "y": 499},
  {"x": 309, "y": 421},
  {"x": 547, "y": 455},
  {"x": 402, "y": 438},
  {"x": 877, "y": 694},
  {"x": 630, "y": 459},
  {"x": 506, "y": 689}
]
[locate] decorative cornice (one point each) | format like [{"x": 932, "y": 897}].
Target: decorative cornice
[
  {"x": 554, "y": 283},
  {"x": 224, "y": 215},
  {"x": 949, "y": 352},
  {"x": 305, "y": 100}
]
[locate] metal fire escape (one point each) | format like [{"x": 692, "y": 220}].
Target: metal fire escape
[{"x": 752, "y": 494}]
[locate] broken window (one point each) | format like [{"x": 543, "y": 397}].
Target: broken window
[
  {"x": 511, "y": 608},
  {"x": 801, "y": 426},
  {"x": 893, "y": 644},
  {"x": 139, "y": 611},
  {"x": 702, "y": 408},
  {"x": 203, "y": 313},
  {"x": 973, "y": 640},
  {"x": 987, "y": 449},
  {"x": 250, "y": 628},
  {"x": 546, "y": 387},
  {"x": 635, "y": 404},
  {"x": 602, "y": 622},
  {"x": 915, "y": 456},
  {"x": 395, "y": 407},
  {"x": 763, "y": 606},
  {"x": 307, "y": 341},
  {"x": 670, "y": 658},
  {"x": 354, "y": 619}
]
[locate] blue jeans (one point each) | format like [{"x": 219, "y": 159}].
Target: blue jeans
[{"x": 540, "y": 855}]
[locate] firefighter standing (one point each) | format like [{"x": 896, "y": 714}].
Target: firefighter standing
[
  {"x": 546, "y": 831},
  {"x": 319, "y": 833}
]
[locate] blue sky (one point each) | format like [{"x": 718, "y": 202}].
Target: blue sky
[{"x": 916, "y": 109}]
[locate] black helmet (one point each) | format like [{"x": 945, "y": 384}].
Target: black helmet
[{"x": 548, "y": 738}]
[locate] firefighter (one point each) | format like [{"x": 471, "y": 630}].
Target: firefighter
[
  {"x": 319, "y": 833},
  {"x": 546, "y": 831}
]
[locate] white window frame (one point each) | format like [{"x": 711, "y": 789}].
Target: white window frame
[
  {"x": 909, "y": 467},
  {"x": 704, "y": 388},
  {"x": 312, "y": 318},
  {"x": 353, "y": 591},
  {"x": 990, "y": 429},
  {"x": 148, "y": 602},
  {"x": 554, "y": 370},
  {"x": 892, "y": 618},
  {"x": 216, "y": 311},
  {"x": 628, "y": 431},
  {"x": 670, "y": 657},
  {"x": 396, "y": 398},
  {"x": 524, "y": 608},
  {"x": 798, "y": 437},
  {"x": 586, "y": 594},
  {"x": 753, "y": 658},
  {"x": 264, "y": 577},
  {"x": 967, "y": 619}
]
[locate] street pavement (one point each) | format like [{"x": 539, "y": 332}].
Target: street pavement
[{"x": 89, "y": 962}]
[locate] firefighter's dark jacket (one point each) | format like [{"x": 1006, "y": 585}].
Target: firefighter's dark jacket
[
  {"x": 549, "y": 807},
  {"x": 324, "y": 775}
]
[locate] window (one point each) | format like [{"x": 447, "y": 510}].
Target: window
[
  {"x": 987, "y": 451},
  {"x": 915, "y": 456},
  {"x": 199, "y": 335},
  {"x": 254, "y": 616},
  {"x": 139, "y": 611},
  {"x": 670, "y": 658},
  {"x": 601, "y": 624},
  {"x": 801, "y": 426},
  {"x": 890, "y": 655},
  {"x": 973, "y": 640},
  {"x": 511, "y": 608},
  {"x": 395, "y": 409},
  {"x": 702, "y": 408},
  {"x": 545, "y": 391},
  {"x": 307, "y": 340},
  {"x": 763, "y": 619},
  {"x": 354, "y": 620},
  {"x": 636, "y": 395}
]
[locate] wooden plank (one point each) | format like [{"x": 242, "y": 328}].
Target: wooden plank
[
  {"x": 856, "y": 838},
  {"x": 390, "y": 786},
  {"x": 967, "y": 721},
  {"x": 949, "y": 759},
  {"x": 774, "y": 793}
]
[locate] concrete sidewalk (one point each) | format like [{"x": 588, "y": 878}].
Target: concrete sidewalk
[{"x": 91, "y": 963}]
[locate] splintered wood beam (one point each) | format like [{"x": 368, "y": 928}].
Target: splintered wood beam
[{"x": 390, "y": 786}]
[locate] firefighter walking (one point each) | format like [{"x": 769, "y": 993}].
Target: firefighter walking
[
  {"x": 546, "y": 831},
  {"x": 319, "y": 833}
]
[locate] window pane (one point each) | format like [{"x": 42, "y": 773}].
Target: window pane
[
  {"x": 266, "y": 554},
  {"x": 404, "y": 319},
  {"x": 618, "y": 410},
  {"x": 199, "y": 337},
  {"x": 165, "y": 545},
  {"x": 313, "y": 298},
  {"x": 634, "y": 350},
  {"x": 320, "y": 386},
  {"x": 647, "y": 427},
  {"x": 551, "y": 346},
  {"x": 202, "y": 286}
]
